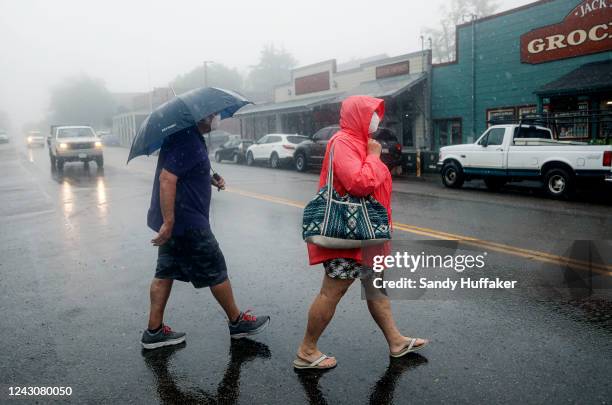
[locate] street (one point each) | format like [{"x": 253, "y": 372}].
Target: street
[{"x": 76, "y": 262}]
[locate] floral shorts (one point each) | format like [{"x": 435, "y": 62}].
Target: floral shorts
[{"x": 345, "y": 269}]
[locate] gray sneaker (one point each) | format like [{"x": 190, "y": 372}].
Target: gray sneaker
[
  {"x": 248, "y": 324},
  {"x": 164, "y": 337}
]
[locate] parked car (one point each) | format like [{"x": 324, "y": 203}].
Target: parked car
[
  {"x": 109, "y": 139},
  {"x": 507, "y": 153},
  {"x": 235, "y": 150},
  {"x": 311, "y": 153},
  {"x": 3, "y": 136},
  {"x": 216, "y": 138},
  {"x": 74, "y": 143},
  {"x": 35, "y": 139},
  {"x": 275, "y": 149},
  {"x": 391, "y": 148}
]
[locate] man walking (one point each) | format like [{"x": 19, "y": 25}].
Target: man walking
[{"x": 188, "y": 250}]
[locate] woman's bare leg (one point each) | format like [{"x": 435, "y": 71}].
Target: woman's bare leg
[
  {"x": 380, "y": 309},
  {"x": 320, "y": 314}
]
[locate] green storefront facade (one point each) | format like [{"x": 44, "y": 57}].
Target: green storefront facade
[{"x": 551, "y": 57}]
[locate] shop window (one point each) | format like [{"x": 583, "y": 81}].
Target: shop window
[
  {"x": 526, "y": 110},
  {"x": 500, "y": 115},
  {"x": 605, "y": 122},
  {"x": 448, "y": 132}
]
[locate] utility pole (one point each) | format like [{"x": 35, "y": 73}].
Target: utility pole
[{"x": 206, "y": 62}]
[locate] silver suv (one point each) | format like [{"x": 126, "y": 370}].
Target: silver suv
[{"x": 74, "y": 144}]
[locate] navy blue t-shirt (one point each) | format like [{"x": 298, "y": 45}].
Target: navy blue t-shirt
[{"x": 184, "y": 154}]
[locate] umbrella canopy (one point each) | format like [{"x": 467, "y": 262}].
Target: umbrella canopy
[{"x": 182, "y": 112}]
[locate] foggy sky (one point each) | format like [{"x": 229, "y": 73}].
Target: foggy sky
[{"x": 135, "y": 45}]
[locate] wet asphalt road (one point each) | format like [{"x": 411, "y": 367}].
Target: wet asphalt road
[{"x": 76, "y": 261}]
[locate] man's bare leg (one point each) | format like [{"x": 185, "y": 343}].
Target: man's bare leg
[
  {"x": 225, "y": 297},
  {"x": 159, "y": 293},
  {"x": 320, "y": 314}
]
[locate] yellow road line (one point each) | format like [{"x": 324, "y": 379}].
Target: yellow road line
[{"x": 467, "y": 240}]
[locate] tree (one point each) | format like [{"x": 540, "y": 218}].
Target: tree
[
  {"x": 274, "y": 68},
  {"x": 82, "y": 101},
  {"x": 216, "y": 75},
  {"x": 454, "y": 13}
]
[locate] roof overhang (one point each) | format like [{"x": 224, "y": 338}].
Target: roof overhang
[
  {"x": 588, "y": 78},
  {"x": 387, "y": 87},
  {"x": 299, "y": 105}
]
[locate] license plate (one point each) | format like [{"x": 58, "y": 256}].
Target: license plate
[
  {"x": 82, "y": 155},
  {"x": 385, "y": 150}
]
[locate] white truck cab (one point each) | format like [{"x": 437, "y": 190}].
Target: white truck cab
[
  {"x": 505, "y": 153},
  {"x": 74, "y": 144}
]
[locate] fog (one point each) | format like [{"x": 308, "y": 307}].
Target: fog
[{"x": 136, "y": 45}]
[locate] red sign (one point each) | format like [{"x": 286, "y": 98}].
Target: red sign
[
  {"x": 312, "y": 83},
  {"x": 587, "y": 29},
  {"x": 395, "y": 69}
]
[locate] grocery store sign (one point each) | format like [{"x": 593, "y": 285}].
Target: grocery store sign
[{"x": 587, "y": 29}]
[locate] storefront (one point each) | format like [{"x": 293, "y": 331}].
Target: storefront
[
  {"x": 313, "y": 98},
  {"x": 549, "y": 57}
]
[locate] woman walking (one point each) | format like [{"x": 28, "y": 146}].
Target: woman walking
[{"x": 359, "y": 172}]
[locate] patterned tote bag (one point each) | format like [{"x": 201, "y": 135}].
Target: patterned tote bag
[{"x": 344, "y": 222}]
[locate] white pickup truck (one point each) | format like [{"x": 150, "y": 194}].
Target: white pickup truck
[
  {"x": 74, "y": 144},
  {"x": 507, "y": 153}
]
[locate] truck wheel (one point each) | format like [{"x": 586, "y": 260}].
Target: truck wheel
[
  {"x": 217, "y": 157},
  {"x": 60, "y": 164},
  {"x": 558, "y": 183},
  {"x": 452, "y": 175},
  {"x": 300, "y": 162},
  {"x": 53, "y": 163},
  {"x": 494, "y": 183},
  {"x": 100, "y": 162},
  {"x": 250, "y": 160}
]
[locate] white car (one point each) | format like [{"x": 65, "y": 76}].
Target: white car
[
  {"x": 74, "y": 144},
  {"x": 3, "y": 137},
  {"x": 275, "y": 149},
  {"x": 507, "y": 153},
  {"x": 35, "y": 139}
]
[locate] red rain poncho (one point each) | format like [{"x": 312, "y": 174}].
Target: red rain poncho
[{"x": 355, "y": 172}]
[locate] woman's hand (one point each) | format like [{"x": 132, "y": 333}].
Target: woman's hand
[{"x": 374, "y": 147}]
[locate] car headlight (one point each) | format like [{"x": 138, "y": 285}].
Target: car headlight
[
  {"x": 29, "y": 139},
  {"x": 63, "y": 146},
  {"x": 98, "y": 144}
]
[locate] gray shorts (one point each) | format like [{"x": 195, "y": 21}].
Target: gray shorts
[{"x": 193, "y": 257}]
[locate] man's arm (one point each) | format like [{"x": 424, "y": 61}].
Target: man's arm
[{"x": 167, "y": 196}]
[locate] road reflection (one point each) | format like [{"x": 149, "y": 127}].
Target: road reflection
[
  {"x": 382, "y": 392},
  {"x": 67, "y": 198},
  {"x": 101, "y": 191},
  {"x": 228, "y": 390}
]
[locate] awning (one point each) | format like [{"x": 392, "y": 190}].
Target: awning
[
  {"x": 595, "y": 76},
  {"x": 388, "y": 87},
  {"x": 303, "y": 104}
]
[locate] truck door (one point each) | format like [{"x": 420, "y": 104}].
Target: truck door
[{"x": 488, "y": 155}]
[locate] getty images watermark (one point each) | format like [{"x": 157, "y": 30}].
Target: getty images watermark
[
  {"x": 412, "y": 263},
  {"x": 450, "y": 269}
]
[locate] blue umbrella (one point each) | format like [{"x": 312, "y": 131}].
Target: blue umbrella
[{"x": 182, "y": 112}]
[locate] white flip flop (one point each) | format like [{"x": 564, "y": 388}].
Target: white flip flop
[
  {"x": 303, "y": 365},
  {"x": 410, "y": 348}
]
